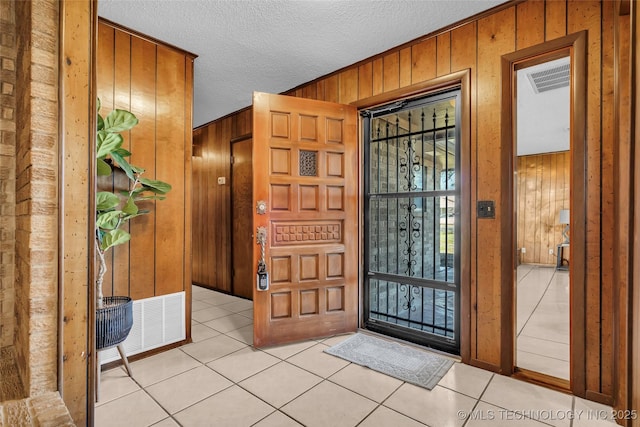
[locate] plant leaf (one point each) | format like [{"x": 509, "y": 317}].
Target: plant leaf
[
  {"x": 100, "y": 122},
  {"x": 107, "y": 143},
  {"x": 103, "y": 168},
  {"x": 114, "y": 238},
  {"x": 124, "y": 165},
  {"x": 119, "y": 121},
  {"x": 122, "y": 152},
  {"x": 106, "y": 201},
  {"x": 130, "y": 207},
  {"x": 156, "y": 186},
  {"x": 108, "y": 220}
]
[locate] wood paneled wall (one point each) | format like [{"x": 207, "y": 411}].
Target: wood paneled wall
[
  {"x": 476, "y": 45},
  {"x": 155, "y": 82},
  {"x": 542, "y": 190},
  {"x": 212, "y": 202}
]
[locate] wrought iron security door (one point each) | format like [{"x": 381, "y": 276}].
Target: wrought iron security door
[{"x": 411, "y": 210}]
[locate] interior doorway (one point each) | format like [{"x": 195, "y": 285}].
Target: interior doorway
[{"x": 242, "y": 217}]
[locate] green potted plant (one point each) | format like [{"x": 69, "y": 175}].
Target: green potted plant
[{"x": 114, "y": 316}]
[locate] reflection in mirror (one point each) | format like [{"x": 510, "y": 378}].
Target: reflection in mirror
[{"x": 542, "y": 213}]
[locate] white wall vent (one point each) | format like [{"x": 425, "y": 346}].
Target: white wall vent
[
  {"x": 551, "y": 78},
  {"x": 157, "y": 321}
]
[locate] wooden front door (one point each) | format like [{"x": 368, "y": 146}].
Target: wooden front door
[{"x": 305, "y": 169}]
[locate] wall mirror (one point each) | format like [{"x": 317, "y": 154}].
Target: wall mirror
[{"x": 542, "y": 199}]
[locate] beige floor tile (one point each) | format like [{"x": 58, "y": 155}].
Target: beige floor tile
[
  {"x": 115, "y": 383},
  {"x": 545, "y": 347},
  {"x": 181, "y": 391},
  {"x": 167, "y": 422},
  {"x": 367, "y": 382},
  {"x": 229, "y": 323},
  {"x": 437, "y": 407},
  {"x": 135, "y": 409},
  {"x": 543, "y": 364},
  {"x": 287, "y": 350},
  {"x": 329, "y": 405},
  {"x": 337, "y": 339},
  {"x": 280, "y": 383},
  {"x": 277, "y": 419},
  {"x": 243, "y": 363},
  {"x": 212, "y": 348},
  {"x": 162, "y": 366},
  {"x": 466, "y": 379},
  {"x": 200, "y": 332},
  {"x": 209, "y": 313},
  {"x": 592, "y": 414},
  {"x": 219, "y": 299},
  {"x": 238, "y": 306},
  {"x": 233, "y": 407},
  {"x": 244, "y": 334},
  {"x": 519, "y": 396},
  {"x": 485, "y": 415},
  {"x": 247, "y": 313},
  {"x": 315, "y": 360},
  {"x": 385, "y": 417},
  {"x": 197, "y": 305}
]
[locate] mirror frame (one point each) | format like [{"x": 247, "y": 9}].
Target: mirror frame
[{"x": 574, "y": 46}]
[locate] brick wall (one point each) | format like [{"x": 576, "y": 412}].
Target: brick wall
[
  {"x": 7, "y": 171},
  {"x": 36, "y": 215}
]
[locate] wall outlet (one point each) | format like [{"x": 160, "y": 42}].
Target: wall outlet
[
  {"x": 222, "y": 180},
  {"x": 550, "y": 251},
  {"x": 523, "y": 250}
]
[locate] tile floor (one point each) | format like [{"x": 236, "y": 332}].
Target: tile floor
[
  {"x": 221, "y": 380},
  {"x": 543, "y": 320}
]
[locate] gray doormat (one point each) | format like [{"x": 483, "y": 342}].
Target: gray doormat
[{"x": 409, "y": 364}]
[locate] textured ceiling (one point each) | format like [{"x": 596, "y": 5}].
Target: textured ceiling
[{"x": 275, "y": 45}]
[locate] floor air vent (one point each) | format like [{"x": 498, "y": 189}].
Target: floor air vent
[{"x": 157, "y": 321}]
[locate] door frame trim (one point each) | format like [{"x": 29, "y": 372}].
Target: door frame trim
[
  {"x": 463, "y": 80},
  {"x": 573, "y": 45}
]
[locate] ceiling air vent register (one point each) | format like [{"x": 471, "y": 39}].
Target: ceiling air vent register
[{"x": 550, "y": 79}]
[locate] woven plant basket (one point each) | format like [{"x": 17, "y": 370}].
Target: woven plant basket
[{"x": 113, "y": 321}]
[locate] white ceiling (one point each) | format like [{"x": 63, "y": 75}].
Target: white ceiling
[
  {"x": 276, "y": 45},
  {"x": 542, "y": 118}
]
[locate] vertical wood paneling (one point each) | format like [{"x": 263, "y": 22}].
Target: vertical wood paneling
[
  {"x": 331, "y": 90},
  {"x": 542, "y": 181},
  {"x": 391, "y": 72},
  {"x": 365, "y": 80},
  {"x": 423, "y": 59},
  {"x": 530, "y": 24},
  {"x": 463, "y": 47},
  {"x": 623, "y": 212},
  {"x": 556, "y": 19},
  {"x": 496, "y": 36},
  {"x": 105, "y": 83},
  {"x": 75, "y": 373},
  {"x": 310, "y": 92},
  {"x": 121, "y": 100},
  {"x": 377, "y": 76},
  {"x": 443, "y": 61},
  {"x": 170, "y": 148},
  {"x": 142, "y": 245},
  {"x": 348, "y": 86},
  {"x": 581, "y": 15},
  {"x": 607, "y": 229},
  {"x": 405, "y": 67},
  {"x": 153, "y": 82}
]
